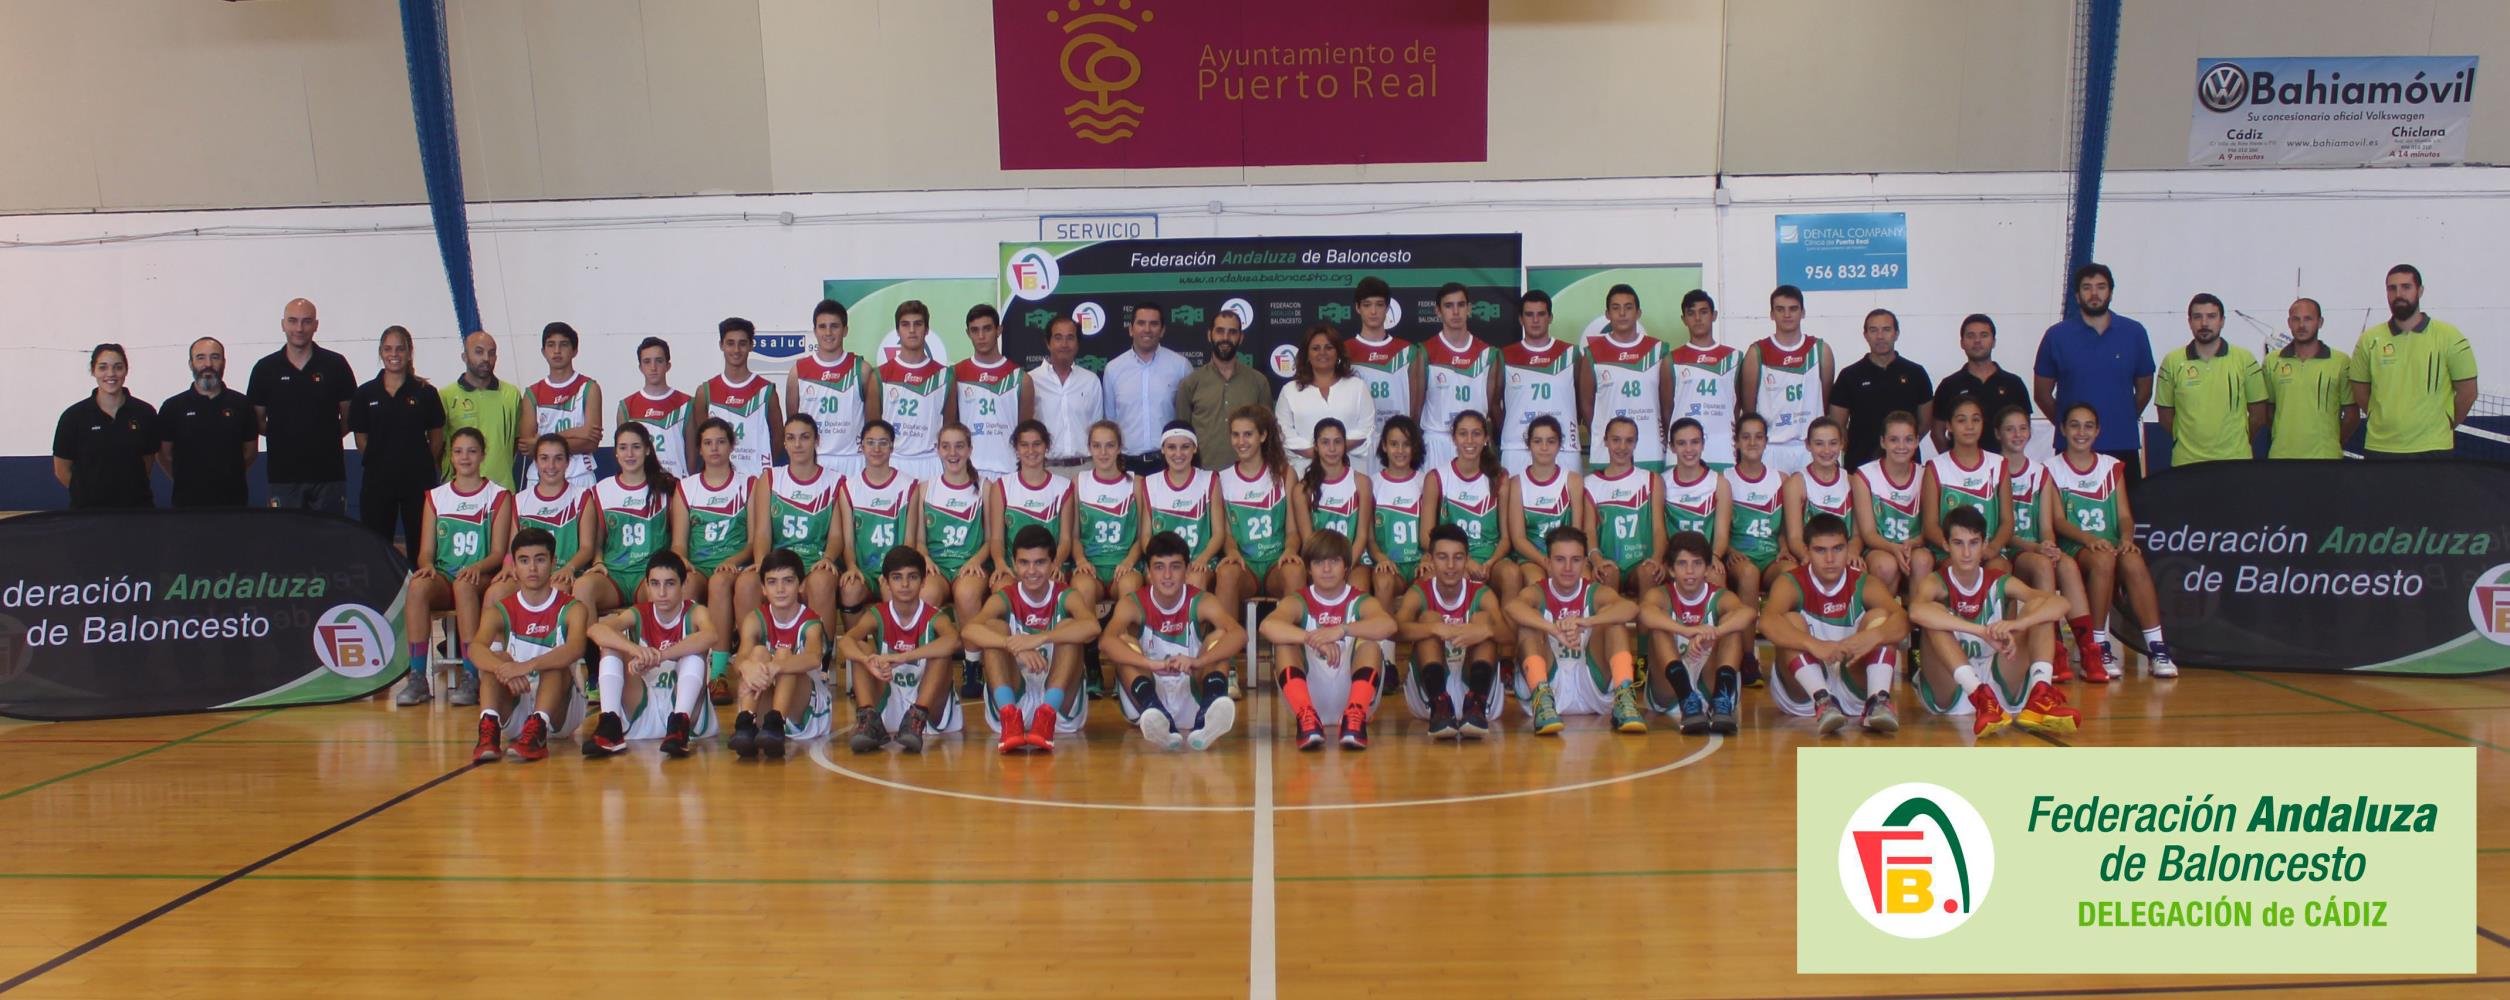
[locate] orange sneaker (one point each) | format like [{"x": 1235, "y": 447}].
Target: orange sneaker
[
  {"x": 1041, "y": 729},
  {"x": 2047, "y": 712},
  {"x": 1014, "y": 739},
  {"x": 1985, "y": 715}
]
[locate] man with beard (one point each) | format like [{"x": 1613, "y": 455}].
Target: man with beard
[
  {"x": 1217, "y": 389},
  {"x": 2212, "y": 394},
  {"x": 499, "y": 409},
  {"x": 2101, "y": 358},
  {"x": 2413, "y": 376},
  {"x": 210, "y": 434}
]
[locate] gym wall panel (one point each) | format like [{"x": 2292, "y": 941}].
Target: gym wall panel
[
  {"x": 1815, "y": 86},
  {"x": 2159, "y": 42}
]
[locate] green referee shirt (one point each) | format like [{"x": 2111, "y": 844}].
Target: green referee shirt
[
  {"x": 498, "y": 413},
  {"x": 2310, "y": 395},
  {"x": 2209, "y": 399},
  {"x": 2411, "y": 374}
]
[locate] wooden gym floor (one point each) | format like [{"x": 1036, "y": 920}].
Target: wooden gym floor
[{"x": 349, "y": 850}]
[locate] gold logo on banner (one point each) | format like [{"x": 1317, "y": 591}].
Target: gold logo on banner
[{"x": 1100, "y": 116}]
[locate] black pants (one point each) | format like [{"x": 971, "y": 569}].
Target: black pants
[
  {"x": 1145, "y": 464},
  {"x": 382, "y": 510},
  {"x": 2407, "y": 456},
  {"x": 2130, "y": 460}
]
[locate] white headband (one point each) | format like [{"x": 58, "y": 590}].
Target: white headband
[{"x": 1178, "y": 432}]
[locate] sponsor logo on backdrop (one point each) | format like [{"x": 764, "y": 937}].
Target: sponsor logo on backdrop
[
  {"x": 352, "y": 641},
  {"x": 1243, "y": 310},
  {"x": 1285, "y": 360},
  {"x": 2489, "y": 604},
  {"x": 1915, "y": 860},
  {"x": 1100, "y": 68},
  {"x": 1031, "y": 274},
  {"x": 779, "y": 346},
  {"x": 1091, "y": 316},
  {"x": 2224, "y": 87}
]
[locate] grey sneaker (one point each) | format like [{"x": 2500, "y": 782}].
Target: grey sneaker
[
  {"x": 1826, "y": 715},
  {"x": 869, "y": 734},
  {"x": 1879, "y": 718},
  {"x": 910, "y": 735},
  {"x": 415, "y": 692},
  {"x": 465, "y": 691}
]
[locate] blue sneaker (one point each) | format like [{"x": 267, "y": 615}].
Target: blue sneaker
[
  {"x": 1694, "y": 714},
  {"x": 1721, "y": 714}
]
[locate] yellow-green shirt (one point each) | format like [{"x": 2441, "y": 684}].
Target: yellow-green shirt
[
  {"x": 498, "y": 413},
  {"x": 2209, "y": 400},
  {"x": 2412, "y": 376},
  {"x": 2310, "y": 395}
]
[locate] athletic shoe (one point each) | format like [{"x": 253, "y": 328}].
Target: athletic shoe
[
  {"x": 465, "y": 691},
  {"x": 486, "y": 750},
  {"x": 1041, "y": 729},
  {"x": 1721, "y": 714},
  {"x": 1694, "y": 714},
  {"x": 415, "y": 692},
  {"x": 2063, "y": 670},
  {"x": 2046, "y": 711},
  {"x": 1751, "y": 665},
  {"x": 675, "y": 739},
  {"x": 1442, "y": 723},
  {"x": 2162, "y": 665},
  {"x": 744, "y": 739},
  {"x": 1879, "y": 718},
  {"x": 609, "y": 736},
  {"x": 2095, "y": 667},
  {"x": 1625, "y": 714},
  {"x": 1827, "y": 718},
  {"x": 771, "y": 735},
  {"x": 1474, "y": 722},
  {"x": 869, "y": 734},
  {"x": 971, "y": 681},
  {"x": 2109, "y": 659},
  {"x": 719, "y": 690},
  {"x": 910, "y": 734},
  {"x": 592, "y": 694},
  {"x": 1311, "y": 730},
  {"x": 1159, "y": 729},
  {"x": 1014, "y": 734},
  {"x": 533, "y": 744},
  {"x": 1355, "y": 728},
  {"x": 1546, "y": 712},
  {"x": 1986, "y": 716},
  {"x": 1218, "y": 716}
]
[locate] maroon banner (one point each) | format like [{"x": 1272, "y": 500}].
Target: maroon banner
[{"x": 1225, "y": 83}]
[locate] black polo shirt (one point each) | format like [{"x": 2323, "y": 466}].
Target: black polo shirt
[
  {"x": 107, "y": 455},
  {"x": 208, "y": 434},
  {"x": 396, "y": 461},
  {"x": 1871, "y": 392},
  {"x": 1994, "y": 393},
  {"x": 304, "y": 414}
]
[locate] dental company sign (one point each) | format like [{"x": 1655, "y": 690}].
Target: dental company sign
[{"x": 2331, "y": 111}]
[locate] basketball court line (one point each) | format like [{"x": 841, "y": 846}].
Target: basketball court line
[
  {"x": 134, "y": 755},
  {"x": 2460, "y": 737},
  {"x": 229, "y": 878},
  {"x": 1262, "y": 970},
  {"x": 2492, "y": 937},
  {"x": 2118, "y": 991},
  {"x": 664, "y": 880}
]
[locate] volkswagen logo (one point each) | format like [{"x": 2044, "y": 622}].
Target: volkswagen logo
[{"x": 2223, "y": 87}]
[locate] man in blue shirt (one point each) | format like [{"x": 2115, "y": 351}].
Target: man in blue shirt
[{"x": 2101, "y": 358}]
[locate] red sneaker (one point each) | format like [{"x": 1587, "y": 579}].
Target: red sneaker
[
  {"x": 1355, "y": 728},
  {"x": 2047, "y": 712},
  {"x": 1041, "y": 729},
  {"x": 1985, "y": 715},
  {"x": 534, "y": 743},
  {"x": 1014, "y": 739},
  {"x": 2063, "y": 670},
  {"x": 486, "y": 751}
]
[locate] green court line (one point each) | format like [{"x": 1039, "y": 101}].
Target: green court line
[
  {"x": 2392, "y": 716},
  {"x": 1509, "y": 876},
  {"x": 135, "y": 755},
  {"x": 636, "y": 880}
]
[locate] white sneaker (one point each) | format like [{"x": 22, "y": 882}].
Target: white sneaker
[
  {"x": 1217, "y": 719},
  {"x": 1158, "y": 730}
]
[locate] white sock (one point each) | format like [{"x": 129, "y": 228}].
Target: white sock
[
  {"x": 612, "y": 678},
  {"x": 1967, "y": 678},
  {"x": 1878, "y": 678},
  {"x": 689, "y": 686},
  {"x": 490, "y": 713},
  {"x": 2101, "y": 637},
  {"x": 2042, "y": 672},
  {"x": 1809, "y": 676},
  {"x": 2152, "y": 635}
]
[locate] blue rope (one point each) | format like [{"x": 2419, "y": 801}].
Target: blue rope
[
  {"x": 2100, "y": 73},
  {"x": 439, "y": 152}
]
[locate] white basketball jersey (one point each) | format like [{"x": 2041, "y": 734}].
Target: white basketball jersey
[
  {"x": 1790, "y": 387},
  {"x": 1703, "y": 390},
  {"x": 1628, "y": 380},
  {"x": 1834, "y": 497},
  {"x": 1534, "y": 383}
]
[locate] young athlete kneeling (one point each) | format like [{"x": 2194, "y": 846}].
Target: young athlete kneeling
[
  {"x": 1031, "y": 635},
  {"x": 1826, "y": 616},
  {"x": 528, "y": 645},
  {"x": 900, "y": 655},
  {"x": 1565, "y": 629},
  {"x": 1171, "y": 644},
  {"x": 1696, "y": 630},
  {"x": 783, "y": 691},
  {"x": 1980, "y": 624},
  {"x": 1452, "y": 622},
  {"x": 664, "y": 642},
  {"x": 1323, "y": 670}
]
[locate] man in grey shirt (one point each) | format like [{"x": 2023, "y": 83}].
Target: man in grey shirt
[{"x": 1141, "y": 386}]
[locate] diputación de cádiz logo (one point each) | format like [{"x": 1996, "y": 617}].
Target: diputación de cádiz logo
[
  {"x": 1915, "y": 860},
  {"x": 1100, "y": 116}
]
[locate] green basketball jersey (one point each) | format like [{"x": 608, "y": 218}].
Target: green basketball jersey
[
  {"x": 1259, "y": 516},
  {"x": 1472, "y": 503},
  {"x": 719, "y": 519},
  {"x": 954, "y": 523},
  {"x": 1757, "y": 508},
  {"x": 1109, "y": 520},
  {"x": 2026, "y": 485},
  {"x": 1975, "y": 488},
  {"x": 879, "y": 516},
  {"x": 799, "y": 512},
  {"x": 1622, "y": 531},
  {"x": 1895, "y": 503},
  {"x": 634, "y": 525},
  {"x": 1397, "y": 513},
  {"x": 562, "y": 516},
  {"x": 2087, "y": 497},
  {"x": 1024, "y": 505},
  {"x": 465, "y": 523},
  {"x": 1185, "y": 509}
]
